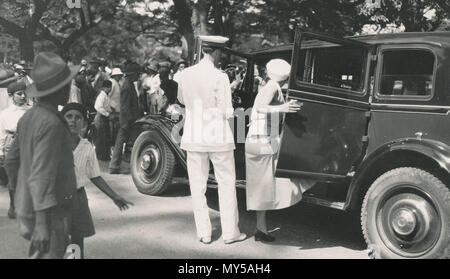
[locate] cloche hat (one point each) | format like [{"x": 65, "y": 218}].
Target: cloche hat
[{"x": 278, "y": 69}]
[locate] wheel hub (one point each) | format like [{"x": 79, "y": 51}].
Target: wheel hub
[
  {"x": 150, "y": 160},
  {"x": 408, "y": 222},
  {"x": 404, "y": 221}
]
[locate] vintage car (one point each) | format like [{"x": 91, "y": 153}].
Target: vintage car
[{"x": 373, "y": 132}]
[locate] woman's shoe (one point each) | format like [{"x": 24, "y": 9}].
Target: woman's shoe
[{"x": 263, "y": 237}]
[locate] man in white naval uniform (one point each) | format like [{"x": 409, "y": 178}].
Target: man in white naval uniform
[{"x": 205, "y": 91}]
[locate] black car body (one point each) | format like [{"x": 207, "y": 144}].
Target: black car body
[{"x": 373, "y": 132}]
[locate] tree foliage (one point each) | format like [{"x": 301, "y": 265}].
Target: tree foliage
[
  {"x": 141, "y": 29},
  {"x": 413, "y": 15}
]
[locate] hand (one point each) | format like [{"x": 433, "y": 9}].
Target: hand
[
  {"x": 40, "y": 238},
  {"x": 122, "y": 203},
  {"x": 291, "y": 106}
]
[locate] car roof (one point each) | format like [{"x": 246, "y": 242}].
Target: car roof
[{"x": 436, "y": 38}]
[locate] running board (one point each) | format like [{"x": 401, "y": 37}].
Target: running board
[
  {"x": 306, "y": 198},
  {"x": 322, "y": 202}
]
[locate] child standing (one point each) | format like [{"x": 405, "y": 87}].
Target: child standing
[
  {"x": 8, "y": 127},
  {"x": 86, "y": 170}
]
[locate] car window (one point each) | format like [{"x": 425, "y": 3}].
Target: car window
[
  {"x": 335, "y": 65},
  {"x": 407, "y": 73}
]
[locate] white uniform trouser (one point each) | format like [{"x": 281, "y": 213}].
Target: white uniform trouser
[{"x": 224, "y": 170}]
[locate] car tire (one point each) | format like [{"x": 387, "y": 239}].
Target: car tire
[
  {"x": 152, "y": 163},
  {"x": 406, "y": 214}
]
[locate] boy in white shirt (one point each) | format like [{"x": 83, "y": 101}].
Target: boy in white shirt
[
  {"x": 101, "y": 121},
  {"x": 8, "y": 127},
  {"x": 86, "y": 171}
]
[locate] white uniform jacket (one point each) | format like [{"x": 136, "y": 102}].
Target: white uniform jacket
[{"x": 206, "y": 93}]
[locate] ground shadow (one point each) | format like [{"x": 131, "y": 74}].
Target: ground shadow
[
  {"x": 176, "y": 189},
  {"x": 303, "y": 225}
]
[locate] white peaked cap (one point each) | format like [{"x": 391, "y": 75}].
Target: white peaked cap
[
  {"x": 214, "y": 40},
  {"x": 278, "y": 69},
  {"x": 116, "y": 72}
]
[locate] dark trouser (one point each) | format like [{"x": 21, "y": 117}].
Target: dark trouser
[
  {"x": 5, "y": 181},
  {"x": 59, "y": 235},
  {"x": 102, "y": 143},
  {"x": 122, "y": 137},
  {"x": 11, "y": 199},
  {"x": 115, "y": 126},
  {"x": 3, "y": 175}
]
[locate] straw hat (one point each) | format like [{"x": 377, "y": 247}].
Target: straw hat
[
  {"x": 278, "y": 69},
  {"x": 116, "y": 72}
]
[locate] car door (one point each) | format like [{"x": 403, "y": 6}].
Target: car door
[{"x": 326, "y": 138}]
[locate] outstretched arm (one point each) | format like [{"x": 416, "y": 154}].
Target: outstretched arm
[
  {"x": 264, "y": 98},
  {"x": 122, "y": 203}
]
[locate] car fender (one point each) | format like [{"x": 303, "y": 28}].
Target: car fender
[
  {"x": 167, "y": 129},
  {"x": 435, "y": 150}
]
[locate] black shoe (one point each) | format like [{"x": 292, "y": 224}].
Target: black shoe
[
  {"x": 12, "y": 213},
  {"x": 263, "y": 237}
]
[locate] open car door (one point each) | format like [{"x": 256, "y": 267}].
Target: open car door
[{"x": 325, "y": 139}]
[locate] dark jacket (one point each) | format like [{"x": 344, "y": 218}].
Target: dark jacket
[
  {"x": 129, "y": 104},
  {"x": 170, "y": 88},
  {"x": 40, "y": 162}
]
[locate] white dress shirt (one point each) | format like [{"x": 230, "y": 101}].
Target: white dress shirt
[
  {"x": 86, "y": 163},
  {"x": 206, "y": 93},
  {"x": 8, "y": 122},
  {"x": 102, "y": 104}
]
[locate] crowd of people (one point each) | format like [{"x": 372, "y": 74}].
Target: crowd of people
[{"x": 55, "y": 109}]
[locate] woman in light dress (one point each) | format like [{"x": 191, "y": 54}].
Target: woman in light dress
[{"x": 264, "y": 191}]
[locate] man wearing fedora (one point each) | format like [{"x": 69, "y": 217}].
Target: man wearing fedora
[
  {"x": 129, "y": 113},
  {"x": 205, "y": 92},
  {"x": 40, "y": 162}
]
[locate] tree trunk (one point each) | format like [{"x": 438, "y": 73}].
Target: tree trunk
[
  {"x": 200, "y": 17},
  {"x": 184, "y": 20},
  {"x": 26, "y": 48}
]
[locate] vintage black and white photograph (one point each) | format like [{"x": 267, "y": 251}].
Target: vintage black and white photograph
[{"x": 224, "y": 129}]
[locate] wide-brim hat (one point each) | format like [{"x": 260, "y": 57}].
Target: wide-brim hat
[
  {"x": 278, "y": 69},
  {"x": 50, "y": 73},
  {"x": 6, "y": 77},
  {"x": 132, "y": 68}
]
